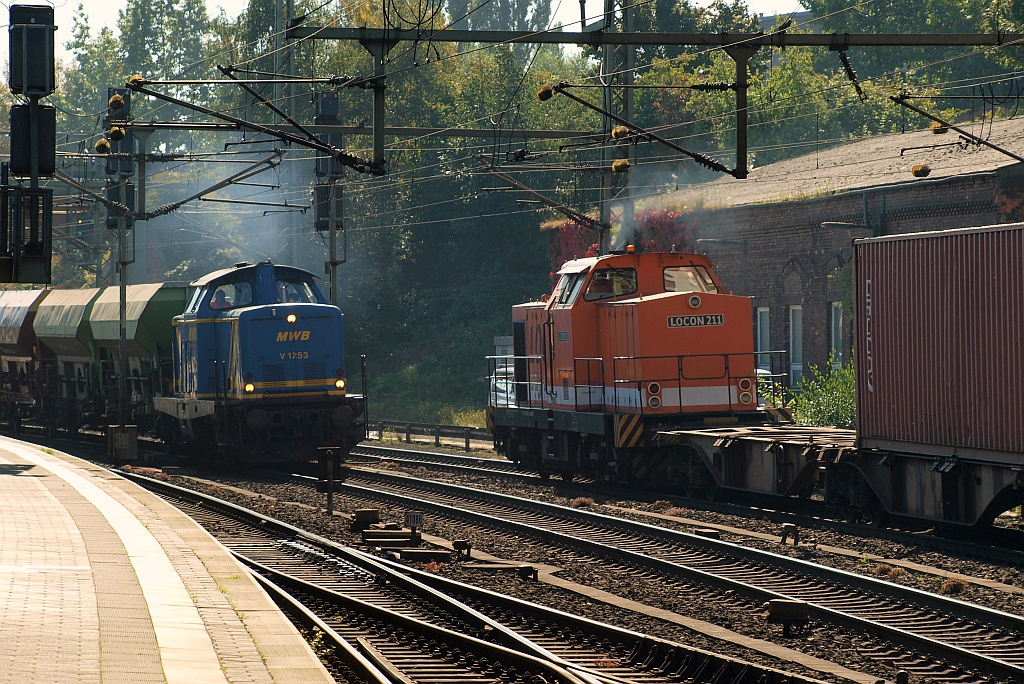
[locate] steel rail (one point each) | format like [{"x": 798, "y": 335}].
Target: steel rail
[
  {"x": 776, "y": 510},
  {"x": 694, "y": 662},
  {"x": 950, "y": 651},
  {"x": 508, "y": 641},
  {"x": 514, "y": 657},
  {"x": 347, "y": 653}
]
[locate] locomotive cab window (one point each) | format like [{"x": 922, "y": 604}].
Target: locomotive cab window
[
  {"x": 197, "y": 296},
  {"x": 295, "y": 292},
  {"x": 611, "y": 282},
  {"x": 689, "y": 279},
  {"x": 231, "y": 295},
  {"x": 568, "y": 287}
]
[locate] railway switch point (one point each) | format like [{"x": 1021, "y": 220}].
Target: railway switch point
[
  {"x": 463, "y": 548},
  {"x": 790, "y": 531},
  {"x": 136, "y": 590}
]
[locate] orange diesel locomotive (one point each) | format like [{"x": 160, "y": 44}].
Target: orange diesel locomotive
[{"x": 627, "y": 345}]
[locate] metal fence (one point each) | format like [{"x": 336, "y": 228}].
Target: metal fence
[{"x": 429, "y": 430}]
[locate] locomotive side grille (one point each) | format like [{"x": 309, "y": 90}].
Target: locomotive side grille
[
  {"x": 314, "y": 370},
  {"x": 274, "y": 372}
]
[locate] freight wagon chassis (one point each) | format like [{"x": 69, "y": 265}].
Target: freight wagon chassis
[
  {"x": 869, "y": 486},
  {"x": 769, "y": 461}
]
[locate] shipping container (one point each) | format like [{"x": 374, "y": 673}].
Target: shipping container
[{"x": 938, "y": 347}]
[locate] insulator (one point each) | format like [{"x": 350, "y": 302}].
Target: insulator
[
  {"x": 620, "y": 132},
  {"x": 851, "y": 74},
  {"x": 102, "y": 146},
  {"x": 620, "y": 166},
  {"x": 136, "y": 79},
  {"x": 117, "y": 133},
  {"x": 116, "y": 101},
  {"x": 937, "y": 128},
  {"x": 712, "y": 164},
  {"x": 545, "y": 93},
  {"x": 847, "y": 67},
  {"x": 709, "y": 87},
  {"x": 921, "y": 171}
]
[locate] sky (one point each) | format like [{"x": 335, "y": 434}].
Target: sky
[{"x": 104, "y": 12}]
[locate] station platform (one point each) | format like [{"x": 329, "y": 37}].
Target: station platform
[{"x": 102, "y": 581}]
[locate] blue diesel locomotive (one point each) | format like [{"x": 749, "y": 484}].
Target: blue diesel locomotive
[
  {"x": 254, "y": 367},
  {"x": 259, "y": 366}
]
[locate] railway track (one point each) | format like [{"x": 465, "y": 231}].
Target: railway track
[
  {"x": 1003, "y": 545},
  {"x": 963, "y": 634},
  {"x": 413, "y": 632}
]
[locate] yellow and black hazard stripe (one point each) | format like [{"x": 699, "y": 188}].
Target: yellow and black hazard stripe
[
  {"x": 629, "y": 431},
  {"x": 650, "y": 465}
]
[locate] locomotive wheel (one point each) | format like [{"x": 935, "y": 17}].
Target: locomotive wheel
[
  {"x": 688, "y": 488},
  {"x": 875, "y": 514}
]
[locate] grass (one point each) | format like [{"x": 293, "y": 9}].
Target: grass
[{"x": 952, "y": 585}]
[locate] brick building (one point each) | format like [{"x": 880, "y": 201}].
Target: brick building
[{"x": 784, "y": 235}]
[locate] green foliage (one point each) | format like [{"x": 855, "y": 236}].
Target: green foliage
[
  {"x": 826, "y": 398},
  {"x": 435, "y": 261}
]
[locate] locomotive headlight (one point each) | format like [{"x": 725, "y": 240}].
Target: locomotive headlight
[
  {"x": 340, "y": 383},
  {"x": 250, "y": 388},
  {"x": 291, "y": 318}
]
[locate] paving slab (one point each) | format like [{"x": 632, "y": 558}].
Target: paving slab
[{"x": 102, "y": 581}]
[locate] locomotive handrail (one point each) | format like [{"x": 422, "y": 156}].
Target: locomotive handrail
[
  {"x": 589, "y": 385},
  {"x": 520, "y": 400}
]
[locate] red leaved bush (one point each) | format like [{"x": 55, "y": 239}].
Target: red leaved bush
[
  {"x": 570, "y": 241},
  {"x": 658, "y": 231}
]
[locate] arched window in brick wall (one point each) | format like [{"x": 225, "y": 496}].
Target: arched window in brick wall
[
  {"x": 839, "y": 298},
  {"x": 793, "y": 299}
]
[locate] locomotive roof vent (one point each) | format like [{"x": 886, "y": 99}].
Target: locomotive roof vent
[{"x": 242, "y": 264}]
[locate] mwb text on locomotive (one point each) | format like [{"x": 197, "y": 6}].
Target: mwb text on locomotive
[
  {"x": 638, "y": 368},
  {"x": 248, "y": 360}
]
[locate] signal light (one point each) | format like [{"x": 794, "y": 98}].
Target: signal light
[
  {"x": 250, "y": 388},
  {"x": 545, "y": 93},
  {"x": 340, "y": 383},
  {"x": 117, "y": 133},
  {"x": 620, "y": 166},
  {"x": 620, "y": 132},
  {"x": 102, "y": 146},
  {"x": 291, "y": 318}
]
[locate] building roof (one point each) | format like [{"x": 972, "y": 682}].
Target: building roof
[{"x": 868, "y": 162}]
